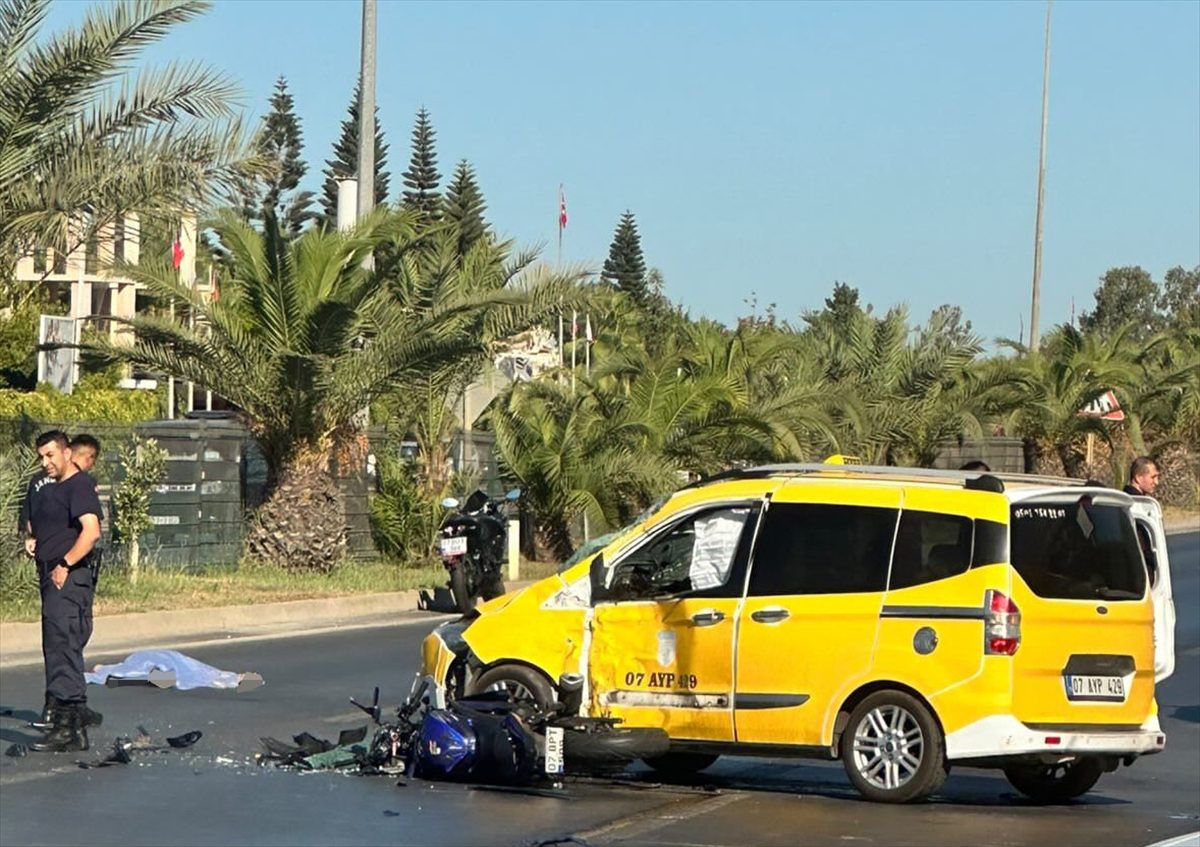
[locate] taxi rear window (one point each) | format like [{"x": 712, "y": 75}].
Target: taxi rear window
[{"x": 1077, "y": 550}]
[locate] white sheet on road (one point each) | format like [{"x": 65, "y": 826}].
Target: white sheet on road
[{"x": 189, "y": 673}]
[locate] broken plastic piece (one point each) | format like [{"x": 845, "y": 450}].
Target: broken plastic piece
[
  {"x": 249, "y": 681},
  {"x": 372, "y": 710},
  {"x": 351, "y": 736},
  {"x": 185, "y": 740},
  {"x": 16, "y": 751},
  {"x": 311, "y": 745}
]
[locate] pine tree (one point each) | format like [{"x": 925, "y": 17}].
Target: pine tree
[
  {"x": 282, "y": 142},
  {"x": 625, "y": 266},
  {"x": 421, "y": 178},
  {"x": 465, "y": 206},
  {"x": 344, "y": 164}
]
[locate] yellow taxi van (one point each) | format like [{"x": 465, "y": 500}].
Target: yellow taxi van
[{"x": 901, "y": 620}]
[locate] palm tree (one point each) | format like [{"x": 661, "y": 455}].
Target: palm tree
[
  {"x": 438, "y": 272},
  {"x": 81, "y": 142},
  {"x": 302, "y": 340},
  {"x": 896, "y": 398},
  {"x": 1070, "y": 371}
]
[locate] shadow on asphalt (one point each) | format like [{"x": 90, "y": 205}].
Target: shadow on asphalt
[
  {"x": 13, "y": 713},
  {"x": 1191, "y": 714},
  {"x": 963, "y": 788},
  {"x": 438, "y": 600}
]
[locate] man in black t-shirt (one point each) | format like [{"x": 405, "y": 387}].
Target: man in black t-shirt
[{"x": 64, "y": 518}]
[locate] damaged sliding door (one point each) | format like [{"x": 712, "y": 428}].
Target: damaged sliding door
[{"x": 662, "y": 654}]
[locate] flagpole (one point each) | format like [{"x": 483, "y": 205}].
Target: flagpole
[{"x": 574, "y": 338}]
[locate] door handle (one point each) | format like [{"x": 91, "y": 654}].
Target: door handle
[
  {"x": 770, "y": 615},
  {"x": 708, "y": 617}
]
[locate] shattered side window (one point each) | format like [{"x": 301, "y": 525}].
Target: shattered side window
[{"x": 694, "y": 555}]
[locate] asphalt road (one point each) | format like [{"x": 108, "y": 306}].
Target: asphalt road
[{"x": 215, "y": 792}]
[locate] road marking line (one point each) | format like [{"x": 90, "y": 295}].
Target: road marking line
[
  {"x": 1192, "y": 839},
  {"x": 638, "y": 825}
]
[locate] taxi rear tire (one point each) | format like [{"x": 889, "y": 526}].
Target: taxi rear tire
[
  {"x": 1056, "y": 783},
  {"x": 523, "y": 684},
  {"x": 893, "y": 748}
]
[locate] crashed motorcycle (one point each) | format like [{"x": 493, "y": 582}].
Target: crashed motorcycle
[
  {"x": 473, "y": 544},
  {"x": 487, "y": 738}
]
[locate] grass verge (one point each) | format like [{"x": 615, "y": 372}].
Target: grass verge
[{"x": 166, "y": 589}]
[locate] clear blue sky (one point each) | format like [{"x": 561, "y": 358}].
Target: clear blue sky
[{"x": 778, "y": 147}]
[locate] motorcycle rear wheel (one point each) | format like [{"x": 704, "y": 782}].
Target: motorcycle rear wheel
[
  {"x": 605, "y": 748},
  {"x": 464, "y": 598},
  {"x": 493, "y": 587}
]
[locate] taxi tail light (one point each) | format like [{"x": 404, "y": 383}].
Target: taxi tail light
[{"x": 1001, "y": 625}]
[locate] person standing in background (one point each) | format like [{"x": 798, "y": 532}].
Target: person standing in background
[{"x": 1143, "y": 477}]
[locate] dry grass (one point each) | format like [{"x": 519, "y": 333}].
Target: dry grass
[
  {"x": 166, "y": 589},
  {"x": 158, "y": 590}
]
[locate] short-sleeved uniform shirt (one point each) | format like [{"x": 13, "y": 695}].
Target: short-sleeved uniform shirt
[
  {"x": 55, "y": 514},
  {"x": 35, "y": 485}
]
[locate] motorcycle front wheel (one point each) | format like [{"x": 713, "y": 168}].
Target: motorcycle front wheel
[{"x": 464, "y": 598}]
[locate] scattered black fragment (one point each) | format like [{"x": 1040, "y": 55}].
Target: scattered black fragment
[
  {"x": 185, "y": 740},
  {"x": 4, "y": 713},
  {"x": 312, "y": 745},
  {"x": 119, "y": 755},
  {"x": 277, "y": 749},
  {"x": 16, "y": 751},
  {"x": 388, "y": 813},
  {"x": 351, "y": 736}
]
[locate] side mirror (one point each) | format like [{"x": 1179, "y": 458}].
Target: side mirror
[
  {"x": 596, "y": 573},
  {"x": 450, "y": 503},
  {"x": 513, "y": 494}
]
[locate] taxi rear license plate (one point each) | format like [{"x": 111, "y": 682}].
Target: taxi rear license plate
[{"x": 1101, "y": 689}]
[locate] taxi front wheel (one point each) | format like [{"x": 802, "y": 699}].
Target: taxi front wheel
[
  {"x": 523, "y": 684},
  {"x": 893, "y": 749}
]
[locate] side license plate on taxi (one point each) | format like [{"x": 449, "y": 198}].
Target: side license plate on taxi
[
  {"x": 453, "y": 546},
  {"x": 1100, "y": 689}
]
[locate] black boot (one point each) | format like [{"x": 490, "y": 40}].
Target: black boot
[
  {"x": 68, "y": 735},
  {"x": 87, "y": 717},
  {"x": 47, "y": 719}
]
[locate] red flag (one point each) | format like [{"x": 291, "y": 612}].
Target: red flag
[
  {"x": 177, "y": 254},
  {"x": 562, "y": 209}
]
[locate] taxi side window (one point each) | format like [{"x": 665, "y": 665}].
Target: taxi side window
[
  {"x": 695, "y": 555},
  {"x": 930, "y": 546},
  {"x": 822, "y": 549}
]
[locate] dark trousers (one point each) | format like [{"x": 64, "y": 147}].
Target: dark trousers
[{"x": 66, "y": 628}]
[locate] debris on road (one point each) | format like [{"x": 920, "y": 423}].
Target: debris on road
[
  {"x": 170, "y": 669},
  {"x": 16, "y": 750},
  {"x": 487, "y": 739}
]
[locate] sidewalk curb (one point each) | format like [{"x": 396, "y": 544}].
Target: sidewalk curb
[{"x": 21, "y": 643}]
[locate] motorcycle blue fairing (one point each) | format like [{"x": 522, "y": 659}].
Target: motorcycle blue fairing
[{"x": 446, "y": 745}]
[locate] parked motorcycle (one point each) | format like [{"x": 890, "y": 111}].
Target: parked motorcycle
[{"x": 473, "y": 544}]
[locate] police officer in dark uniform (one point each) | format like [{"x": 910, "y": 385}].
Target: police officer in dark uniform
[
  {"x": 85, "y": 449},
  {"x": 65, "y": 521}
]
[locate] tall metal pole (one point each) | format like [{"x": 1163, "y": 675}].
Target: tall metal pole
[
  {"x": 1041, "y": 191},
  {"x": 366, "y": 114}
]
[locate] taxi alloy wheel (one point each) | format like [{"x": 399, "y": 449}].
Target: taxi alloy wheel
[{"x": 893, "y": 749}]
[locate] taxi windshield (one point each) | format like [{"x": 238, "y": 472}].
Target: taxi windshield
[{"x": 601, "y": 541}]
